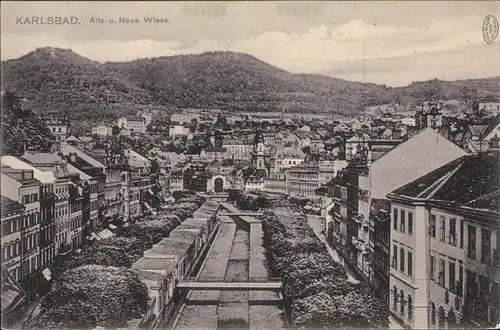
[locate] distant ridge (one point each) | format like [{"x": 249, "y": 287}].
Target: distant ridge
[{"x": 60, "y": 80}]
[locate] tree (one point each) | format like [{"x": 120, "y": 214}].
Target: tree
[
  {"x": 115, "y": 130},
  {"x": 21, "y": 129},
  {"x": 90, "y": 296}
]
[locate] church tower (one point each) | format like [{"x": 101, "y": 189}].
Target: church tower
[{"x": 258, "y": 154}]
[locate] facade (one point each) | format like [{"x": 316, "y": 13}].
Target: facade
[
  {"x": 303, "y": 180},
  {"x": 102, "y": 130},
  {"x": 445, "y": 272},
  {"x": 276, "y": 183},
  {"x": 238, "y": 149},
  {"x": 21, "y": 186},
  {"x": 408, "y": 121},
  {"x": 490, "y": 105},
  {"x": 184, "y": 117},
  {"x": 12, "y": 223},
  {"x": 134, "y": 124},
  {"x": 214, "y": 153},
  {"x": 178, "y": 130},
  {"x": 60, "y": 128}
]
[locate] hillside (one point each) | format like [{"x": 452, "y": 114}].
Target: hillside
[
  {"x": 21, "y": 129},
  {"x": 61, "y": 80}
]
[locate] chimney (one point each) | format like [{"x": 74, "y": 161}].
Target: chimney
[{"x": 72, "y": 157}]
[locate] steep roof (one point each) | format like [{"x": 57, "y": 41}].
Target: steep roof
[
  {"x": 471, "y": 180},
  {"x": 8, "y": 205}
]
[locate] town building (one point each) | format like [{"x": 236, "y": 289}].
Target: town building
[
  {"x": 178, "y": 130},
  {"x": 51, "y": 170},
  {"x": 408, "y": 121},
  {"x": 12, "y": 224},
  {"x": 213, "y": 153},
  {"x": 444, "y": 246},
  {"x": 132, "y": 123},
  {"x": 276, "y": 182},
  {"x": 489, "y": 104},
  {"x": 58, "y": 126},
  {"x": 22, "y": 187},
  {"x": 102, "y": 130},
  {"x": 286, "y": 157},
  {"x": 238, "y": 148}
]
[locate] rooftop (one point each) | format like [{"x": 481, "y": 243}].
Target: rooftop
[
  {"x": 8, "y": 205},
  {"x": 471, "y": 180}
]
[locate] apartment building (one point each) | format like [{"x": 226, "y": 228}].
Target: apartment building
[
  {"x": 102, "y": 130},
  {"x": 400, "y": 165},
  {"x": 276, "y": 182},
  {"x": 286, "y": 157},
  {"x": 303, "y": 180},
  {"x": 238, "y": 148},
  {"x": 178, "y": 130},
  {"x": 444, "y": 246},
  {"x": 11, "y": 213},
  {"x": 22, "y": 187},
  {"x": 132, "y": 123}
]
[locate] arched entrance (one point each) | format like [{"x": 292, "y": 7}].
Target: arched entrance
[
  {"x": 218, "y": 185},
  {"x": 451, "y": 320}
]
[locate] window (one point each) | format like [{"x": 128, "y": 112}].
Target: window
[
  {"x": 433, "y": 314},
  {"x": 451, "y": 276},
  {"x": 402, "y": 306},
  {"x": 402, "y": 221},
  {"x": 394, "y": 256},
  {"x": 410, "y": 263},
  {"x": 410, "y": 223},
  {"x": 441, "y": 272},
  {"x": 471, "y": 247},
  {"x": 395, "y": 298},
  {"x": 395, "y": 218},
  {"x": 485, "y": 246},
  {"x": 461, "y": 234},
  {"x": 452, "y": 238},
  {"x": 402, "y": 259},
  {"x": 442, "y": 232},
  {"x": 410, "y": 308},
  {"x": 460, "y": 280},
  {"x": 432, "y": 226}
]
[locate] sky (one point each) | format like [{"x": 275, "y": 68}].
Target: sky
[{"x": 392, "y": 43}]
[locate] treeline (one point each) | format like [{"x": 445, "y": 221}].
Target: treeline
[{"x": 316, "y": 289}]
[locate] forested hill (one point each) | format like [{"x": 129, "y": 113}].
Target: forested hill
[{"x": 59, "y": 79}]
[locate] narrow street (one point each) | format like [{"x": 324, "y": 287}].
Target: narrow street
[{"x": 314, "y": 222}]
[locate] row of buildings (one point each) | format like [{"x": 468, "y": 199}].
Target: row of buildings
[
  {"x": 53, "y": 203},
  {"x": 420, "y": 223}
]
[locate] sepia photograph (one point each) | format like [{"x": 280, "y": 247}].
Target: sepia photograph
[{"x": 250, "y": 165}]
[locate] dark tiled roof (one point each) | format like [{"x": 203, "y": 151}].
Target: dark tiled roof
[
  {"x": 471, "y": 180},
  {"x": 8, "y": 205}
]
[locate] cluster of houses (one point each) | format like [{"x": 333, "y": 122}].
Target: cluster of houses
[
  {"x": 55, "y": 202},
  {"x": 420, "y": 223}
]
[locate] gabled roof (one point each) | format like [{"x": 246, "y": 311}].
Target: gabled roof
[
  {"x": 477, "y": 130},
  {"x": 8, "y": 205},
  {"x": 471, "y": 180}
]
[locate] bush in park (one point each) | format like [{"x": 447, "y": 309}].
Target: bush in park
[
  {"x": 90, "y": 296},
  {"x": 153, "y": 231},
  {"x": 101, "y": 255}
]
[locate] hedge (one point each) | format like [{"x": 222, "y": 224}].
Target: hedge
[{"x": 316, "y": 288}]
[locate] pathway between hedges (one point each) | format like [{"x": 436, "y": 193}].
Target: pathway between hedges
[{"x": 237, "y": 254}]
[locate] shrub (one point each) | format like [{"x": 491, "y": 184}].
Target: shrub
[
  {"x": 315, "y": 286},
  {"x": 90, "y": 296}
]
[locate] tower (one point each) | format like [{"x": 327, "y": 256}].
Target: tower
[{"x": 258, "y": 154}]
